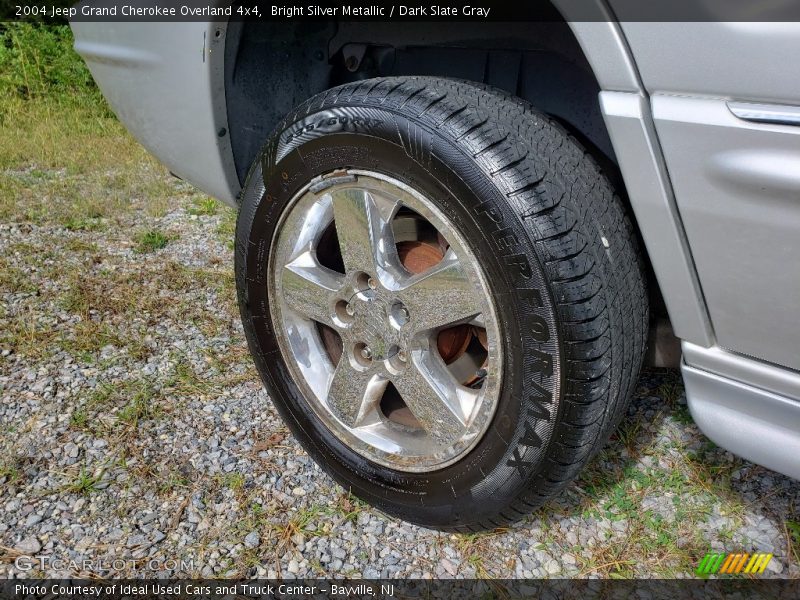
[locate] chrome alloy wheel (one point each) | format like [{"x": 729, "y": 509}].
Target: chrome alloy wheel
[{"x": 385, "y": 321}]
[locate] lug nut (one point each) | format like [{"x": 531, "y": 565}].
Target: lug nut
[
  {"x": 402, "y": 356},
  {"x": 366, "y": 353},
  {"x": 350, "y": 310},
  {"x": 372, "y": 283},
  {"x": 399, "y": 315}
]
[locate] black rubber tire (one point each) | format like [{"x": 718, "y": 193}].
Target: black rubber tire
[{"x": 559, "y": 254}]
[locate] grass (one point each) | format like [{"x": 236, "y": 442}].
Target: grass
[
  {"x": 72, "y": 167},
  {"x": 13, "y": 280},
  {"x": 64, "y": 157},
  {"x": 84, "y": 223},
  {"x": 89, "y": 337},
  {"x": 113, "y": 407},
  {"x": 10, "y": 473},
  {"x": 205, "y": 206},
  {"x": 671, "y": 390},
  {"x": 151, "y": 240},
  {"x": 104, "y": 299},
  {"x": 628, "y": 435},
  {"x": 67, "y": 162},
  {"x": 77, "y": 244},
  {"x": 279, "y": 527},
  {"x": 304, "y": 522},
  {"x": 22, "y": 334},
  {"x": 142, "y": 404},
  {"x": 350, "y": 506},
  {"x": 226, "y": 230},
  {"x": 38, "y": 61},
  {"x": 83, "y": 483},
  {"x": 793, "y": 534},
  {"x": 79, "y": 418},
  {"x": 688, "y": 486},
  {"x": 114, "y": 293},
  {"x": 171, "y": 483},
  {"x": 232, "y": 481},
  {"x": 476, "y": 551}
]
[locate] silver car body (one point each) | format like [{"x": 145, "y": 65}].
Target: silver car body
[{"x": 704, "y": 119}]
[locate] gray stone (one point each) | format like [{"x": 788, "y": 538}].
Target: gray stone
[
  {"x": 29, "y": 545},
  {"x": 32, "y": 520}
]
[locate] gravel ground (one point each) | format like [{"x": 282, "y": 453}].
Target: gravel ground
[{"x": 135, "y": 429}]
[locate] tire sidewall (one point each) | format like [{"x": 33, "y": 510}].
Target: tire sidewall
[{"x": 515, "y": 448}]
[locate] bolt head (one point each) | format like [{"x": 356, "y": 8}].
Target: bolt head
[
  {"x": 350, "y": 310},
  {"x": 366, "y": 353},
  {"x": 402, "y": 355},
  {"x": 399, "y": 315},
  {"x": 372, "y": 283}
]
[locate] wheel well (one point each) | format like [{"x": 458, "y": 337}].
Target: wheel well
[{"x": 272, "y": 67}]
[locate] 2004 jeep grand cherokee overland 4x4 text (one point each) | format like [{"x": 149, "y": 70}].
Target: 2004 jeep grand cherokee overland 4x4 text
[{"x": 454, "y": 242}]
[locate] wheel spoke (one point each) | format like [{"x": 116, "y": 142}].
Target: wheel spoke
[
  {"x": 440, "y": 405},
  {"x": 307, "y": 288},
  {"x": 441, "y": 296},
  {"x": 314, "y": 222},
  {"x": 363, "y": 226},
  {"x": 353, "y": 394}
]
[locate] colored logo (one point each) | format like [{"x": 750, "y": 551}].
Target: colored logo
[{"x": 715, "y": 563}]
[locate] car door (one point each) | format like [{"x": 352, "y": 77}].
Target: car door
[{"x": 725, "y": 98}]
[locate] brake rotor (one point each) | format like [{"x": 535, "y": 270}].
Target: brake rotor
[
  {"x": 418, "y": 257},
  {"x": 453, "y": 342},
  {"x": 332, "y": 342},
  {"x": 480, "y": 333}
]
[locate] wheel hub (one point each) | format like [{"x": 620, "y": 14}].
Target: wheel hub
[{"x": 372, "y": 323}]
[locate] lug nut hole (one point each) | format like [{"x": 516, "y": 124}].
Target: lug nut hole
[
  {"x": 343, "y": 312},
  {"x": 364, "y": 283},
  {"x": 398, "y": 315},
  {"x": 396, "y": 360},
  {"x": 363, "y": 354}
]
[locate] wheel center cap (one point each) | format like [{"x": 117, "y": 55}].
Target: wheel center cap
[{"x": 371, "y": 323}]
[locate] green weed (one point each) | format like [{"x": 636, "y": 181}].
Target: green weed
[
  {"x": 84, "y": 483},
  {"x": 204, "y": 206},
  {"x": 38, "y": 61},
  {"x": 10, "y": 473},
  {"x": 151, "y": 240}
]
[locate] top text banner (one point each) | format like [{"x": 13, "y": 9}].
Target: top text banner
[{"x": 444, "y": 11}]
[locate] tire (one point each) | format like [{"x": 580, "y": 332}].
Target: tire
[{"x": 556, "y": 251}]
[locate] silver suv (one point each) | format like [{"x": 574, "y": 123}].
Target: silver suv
[{"x": 455, "y": 244}]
